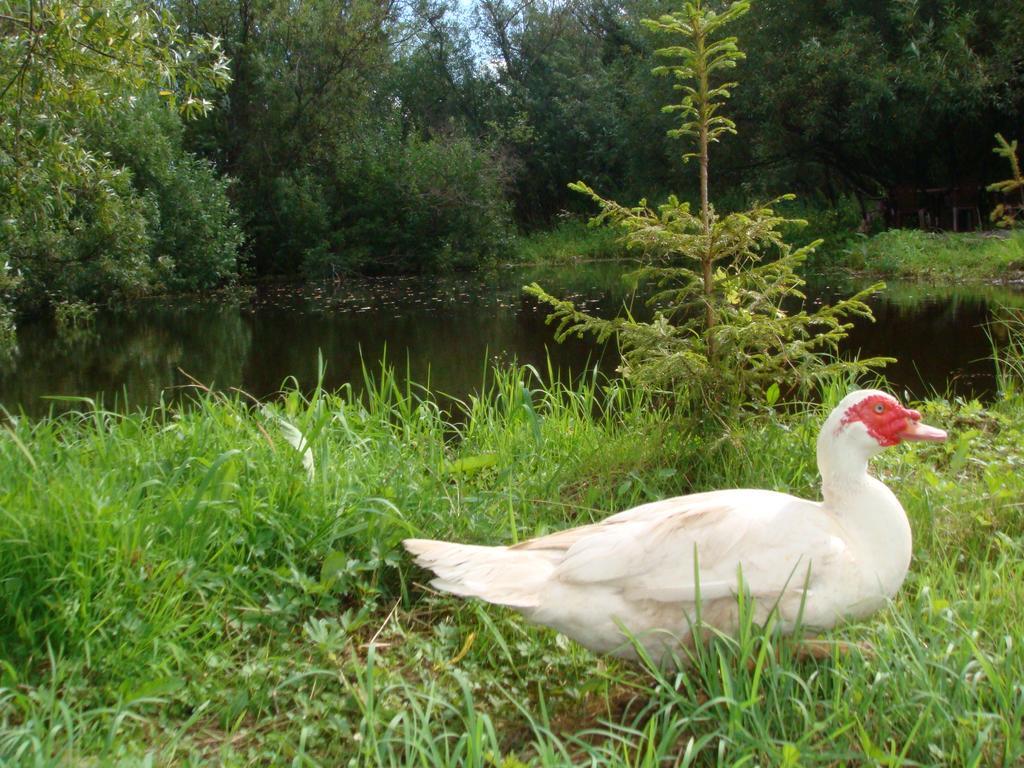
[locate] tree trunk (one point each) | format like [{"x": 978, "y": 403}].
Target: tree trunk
[{"x": 705, "y": 206}]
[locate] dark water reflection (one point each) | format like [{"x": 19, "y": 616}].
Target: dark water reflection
[
  {"x": 939, "y": 334},
  {"x": 444, "y": 329}
]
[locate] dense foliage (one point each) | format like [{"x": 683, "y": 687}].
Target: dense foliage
[
  {"x": 100, "y": 201},
  {"x": 862, "y": 96},
  {"x": 393, "y": 203},
  {"x": 405, "y": 135},
  {"x": 324, "y": 105},
  {"x": 334, "y": 170}
]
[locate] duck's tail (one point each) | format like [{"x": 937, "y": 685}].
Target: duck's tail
[{"x": 495, "y": 574}]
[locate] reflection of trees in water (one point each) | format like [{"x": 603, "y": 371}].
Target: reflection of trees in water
[
  {"x": 447, "y": 347},
  {"x": 446, "y": 328},
  {"x": 137, "y": 352},
  {"x": 911, "y": 296},
  {"x": 939, "y": 333}
]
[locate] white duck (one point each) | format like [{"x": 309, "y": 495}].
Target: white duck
[{"x": 636, "y": 569}]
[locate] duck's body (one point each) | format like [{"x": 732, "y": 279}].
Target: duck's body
[{"x": 649, "y": 568}]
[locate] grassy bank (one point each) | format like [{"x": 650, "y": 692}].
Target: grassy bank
[
  {"x": 573, "y": 240},
  {"x": 185, "y": 588},
  {"x": 896, "y": 253},
  {"x": 569, "y": 241},
  {"x": 916, "y": 254}
]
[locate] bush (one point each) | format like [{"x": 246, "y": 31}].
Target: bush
[
  {"x": 303, "y": 224},
  {"x": 116, "y": 211},
  {"x": 72, "y": 225},
  {"x": 75, "y": 222},
  {"x": 412, "y": 205},
  {"x": 199, "y": 236},
  {"x": 195, "y": 231},
  {"x": 8, "y": 328}
]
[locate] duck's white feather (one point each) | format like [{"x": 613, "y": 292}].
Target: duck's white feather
[
  {"x": 495, "y": 574},
  {"x": 637, "y": 568},
  {"x": 650, "y": 571}
]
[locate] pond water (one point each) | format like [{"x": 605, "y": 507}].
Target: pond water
[{"x": 443, "y": 330}]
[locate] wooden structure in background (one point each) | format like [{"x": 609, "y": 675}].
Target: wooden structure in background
[{"x": 957, "y": 208}]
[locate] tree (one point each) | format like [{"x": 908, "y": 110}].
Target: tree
[
  {"x": 194, "y": 229},
  {"x": 435, "y": 76},
  {"x": 848, "y": 95},
  {"x": 357, "y": 136},
  {"x": 1005, "y": 213},
  {"x": 723, "y": 328},
  {"x": 72, "y": 223},
  {"x": 305, "y": 76},
  {"x": 570, "y": 77}
]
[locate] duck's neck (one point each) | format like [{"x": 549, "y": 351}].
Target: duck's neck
[
  {"x": 871, "y": 514},
  {"x": 842, "y": 480}
]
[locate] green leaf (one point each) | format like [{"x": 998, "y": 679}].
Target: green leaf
[
  {"x": 159, "y": 688},
  {"x": 469, "y": 464},
  {"x": 962, "y": 453},
  {"x": 531, "y": 415},
  {"x": 334, "y": 568}
]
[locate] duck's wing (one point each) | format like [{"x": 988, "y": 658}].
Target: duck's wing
[{"x": 700, "y": 545}]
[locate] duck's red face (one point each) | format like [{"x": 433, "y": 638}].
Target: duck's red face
[{"x": 889, "y": 422}]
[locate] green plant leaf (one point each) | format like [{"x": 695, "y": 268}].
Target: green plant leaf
[
  {"x": 334, "y": 568},
  {"x": 469, "y": 464}
]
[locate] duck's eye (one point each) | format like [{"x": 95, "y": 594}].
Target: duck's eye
[{"x": 879, "y": 408}]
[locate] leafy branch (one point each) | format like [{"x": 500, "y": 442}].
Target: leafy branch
[{"x": 1005, "y": 214}]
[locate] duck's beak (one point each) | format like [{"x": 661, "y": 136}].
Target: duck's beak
[{"x": 915, "y": 430}]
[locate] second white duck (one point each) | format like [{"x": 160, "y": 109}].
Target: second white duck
[{"x": 817, "y": 563}]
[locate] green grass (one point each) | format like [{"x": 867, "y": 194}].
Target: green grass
[
  {"x": 895, "y": 253},
  {"x": 913, "y": 253},
  {"x": 571, "y": 240},
  {"x": 176, "y": 589}
]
